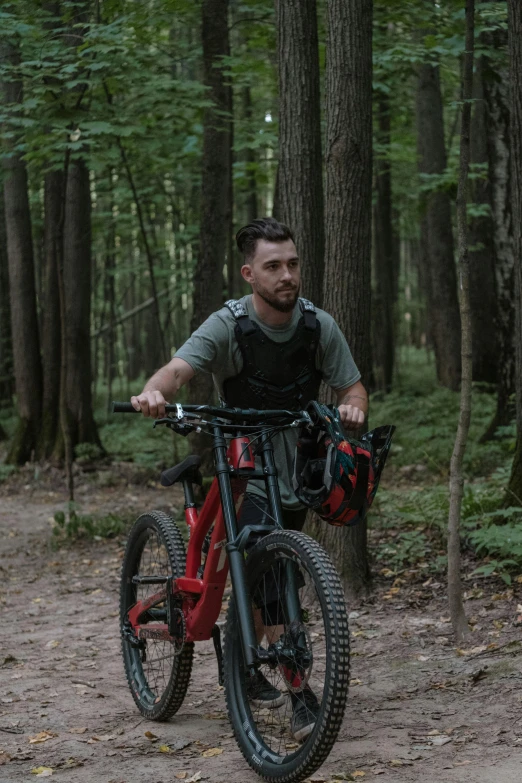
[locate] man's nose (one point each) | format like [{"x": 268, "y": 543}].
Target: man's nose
[{"x": 286, "y": 274}]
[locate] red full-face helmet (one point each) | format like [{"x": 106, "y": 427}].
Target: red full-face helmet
[{"x": 335, "y": 476}]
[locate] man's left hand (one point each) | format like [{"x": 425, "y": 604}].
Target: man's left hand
[{"x": 351, "y": 417}]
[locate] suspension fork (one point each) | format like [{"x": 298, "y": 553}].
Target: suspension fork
[
  {"x": 291, "y": 598},
  {"x": 235, "y": 554}
]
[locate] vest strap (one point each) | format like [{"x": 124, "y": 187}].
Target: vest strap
[
  {"x": 239, "y": 312},
  {"x": 309, "y": 313}
]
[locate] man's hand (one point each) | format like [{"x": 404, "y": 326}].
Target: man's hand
[
  {"x": 150, "y": 403},
  {"x": 351, "y": 417}
]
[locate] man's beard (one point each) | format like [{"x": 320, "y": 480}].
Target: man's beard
[{"x": 282, "y": 307}]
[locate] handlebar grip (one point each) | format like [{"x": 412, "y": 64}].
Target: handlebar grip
[{"x": 123, "y": 407}]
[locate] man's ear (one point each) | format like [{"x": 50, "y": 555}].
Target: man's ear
[{"x": 247, "y": 273}]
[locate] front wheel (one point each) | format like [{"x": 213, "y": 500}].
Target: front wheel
[{"x": 287, "y": 717}]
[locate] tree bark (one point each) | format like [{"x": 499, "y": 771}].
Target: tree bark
[
  {"x": 443, "y": 306},
  {"x": 51, "y": 321},
  {"x": 348, "y": 201},
  {"x": 7, "y": 380},
  {"x": 24, "y": 321},
  {"x": 458, "y": 617},
  {"x": 384, "y": 256},
  {"x": 300, "y": 196},
  {"x": 208, "y": 276},
  {"x": 482, "y": 260},
  {"x": 515, "y": 55},
  {"x": 496, "y": 89},
  {"x": 77, "y": 291}
]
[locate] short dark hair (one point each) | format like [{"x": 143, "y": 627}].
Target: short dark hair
[{"x": 267, "y": 228}]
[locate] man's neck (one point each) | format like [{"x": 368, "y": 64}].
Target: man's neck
[{"x": 268, "y": 314}]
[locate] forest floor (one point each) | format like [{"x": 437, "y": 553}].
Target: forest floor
[{"x": 419, "y": 708}]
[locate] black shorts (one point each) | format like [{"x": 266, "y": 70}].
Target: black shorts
[{"x": 255, "y": 511}]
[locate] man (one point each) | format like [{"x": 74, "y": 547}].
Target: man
[{"x": 268, "y": 350}]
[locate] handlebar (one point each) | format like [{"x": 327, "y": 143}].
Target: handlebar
[{"x": 233, "y": 414}]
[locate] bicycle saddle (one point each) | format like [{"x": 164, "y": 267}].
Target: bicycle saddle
[{"x": 185, "y": 471}]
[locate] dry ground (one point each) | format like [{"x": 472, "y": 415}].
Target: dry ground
[{"x": 419, "y": 709}]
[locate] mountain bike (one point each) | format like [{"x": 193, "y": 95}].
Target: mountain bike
[{"x": 286, "y": 621}]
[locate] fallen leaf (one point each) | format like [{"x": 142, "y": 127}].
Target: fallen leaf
[
  {"x": 12, "y": 659},
  {"x": 152, "y": 737},
  {"x": 78, "y": 730},
  {"x": 195, "y": 777},
  {"x": 164, "y": 749},
  {"x": 357, "y": 774},
  {"x": 42, "y": 772},
  {"x": 396, "y": 763},
  {"x": 43, "y": 736},
  {"x": 181, "y": 775},
  {"x": 4, "y": 757},
  {"x": 461, "y": 763},
  {"x": 212, "y": 752},
  {"x": 355, "y": 681},
  {"x": 53, "y": 643}
]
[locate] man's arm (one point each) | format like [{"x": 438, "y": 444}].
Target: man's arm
[
  {"x": 353, "y": 405},
  {"x": 163, "y": 387}
]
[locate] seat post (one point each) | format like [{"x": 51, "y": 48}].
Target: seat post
[{"x": 188, "y": 489}]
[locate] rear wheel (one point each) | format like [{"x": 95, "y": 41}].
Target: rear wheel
[
  {"x": 158, "y": 671},
  {"x": 288, "y": 739}
]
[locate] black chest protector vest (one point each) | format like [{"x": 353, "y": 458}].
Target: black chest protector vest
[{"x": 275, "y": 375}]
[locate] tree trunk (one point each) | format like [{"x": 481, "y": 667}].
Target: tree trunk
[
  {"x": 24, "y": 321},
  {"x": 51, "y": 321},
  {"x": 496, "y": 88},
  {"x": 443, "y": 306},
  {"x": 77, "y": 291},
  {"x": 7, "y": 381},
  {"x": 482, "y": 260},
  {"x": 208, "y": 276},
  {"x": 348, "y": 200},
  {"x": 251, "y": 209},
  {"x": 300, "y": 197},
  {"x": 515, "y": 54},
  {"x": 384, "y": 256},
  {"x": 458, "y": 617}
]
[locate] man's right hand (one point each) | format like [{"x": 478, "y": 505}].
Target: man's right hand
[{"x": 150, "y": 403}]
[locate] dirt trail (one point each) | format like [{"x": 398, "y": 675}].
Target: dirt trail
[{"x": 418, "y": 710}]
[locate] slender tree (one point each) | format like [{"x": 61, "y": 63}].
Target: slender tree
[
  {"x": 437, "y": 239},
  {"x": 458, "y": 618},
  {"x": 51, "y": 320},
  {"x": 482, "y": 259},
  {"x": 213, "y": 242},
  {"x": 348, "y": 223},
  {"x": 300, "y": 185},
  {"x": 384, "y": 253},
  {"x": 496, "y": 89},
  {"x": 515, "y": 56},
  {"x": 24, "y": 321}
]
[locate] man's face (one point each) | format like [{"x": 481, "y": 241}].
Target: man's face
[{"x": 275, "y": 274}]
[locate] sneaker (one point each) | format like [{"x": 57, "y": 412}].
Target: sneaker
[
  {"x": 261, "y": 693},
  {"x": 306, "y": 711}
]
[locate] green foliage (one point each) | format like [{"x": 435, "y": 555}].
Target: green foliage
[
  {"x": 72, "y": 526},
  {"x": 427, "y": 416},
  {"x": 6, "y": 471}
]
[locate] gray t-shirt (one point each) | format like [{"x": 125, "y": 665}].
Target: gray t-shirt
[{"x": 213, "y": 348}]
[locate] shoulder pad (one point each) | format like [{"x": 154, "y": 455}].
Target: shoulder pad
[
  {"x": 236, "y": 307},
  {"x": 306, "y": 305}
]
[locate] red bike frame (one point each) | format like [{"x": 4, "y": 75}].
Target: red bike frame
[{"x": 201, "y": 597}]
